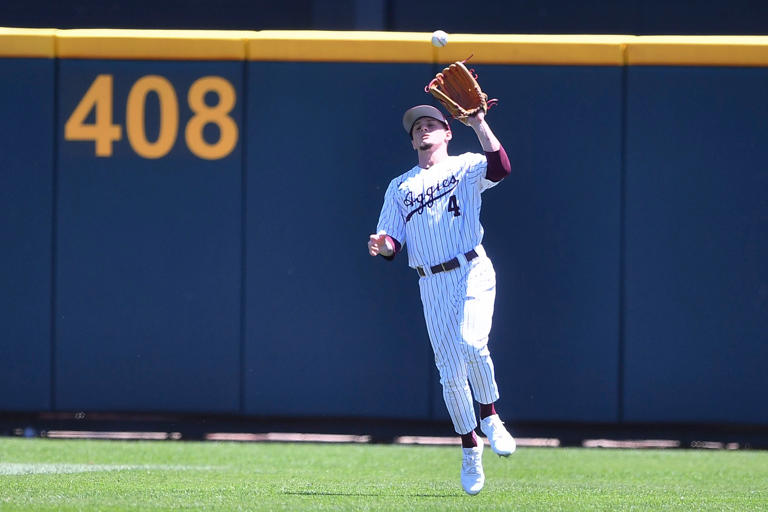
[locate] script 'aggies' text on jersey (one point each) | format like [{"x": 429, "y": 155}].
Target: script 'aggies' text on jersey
[{"x": 436, "y": 211}]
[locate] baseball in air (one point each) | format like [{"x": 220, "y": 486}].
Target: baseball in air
[{"x": 439, "y": 38}]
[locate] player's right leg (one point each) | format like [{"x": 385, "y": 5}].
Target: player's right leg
[
  {"x": 472, "y": 474},
  {"x": 452, "y": 369},
  {"x": 441, "y": 316}
]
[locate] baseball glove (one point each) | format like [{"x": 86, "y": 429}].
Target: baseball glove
[{"x": 457, "y": 89}]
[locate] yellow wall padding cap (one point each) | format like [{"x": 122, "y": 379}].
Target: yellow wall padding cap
[
  {"x": 396, "y": 47},
  {"x": 279, "y": 45},
  {"x": 152, "y": 44},
  {"x": 743, "y": 51},
  {"x": 27, "y": 42}
]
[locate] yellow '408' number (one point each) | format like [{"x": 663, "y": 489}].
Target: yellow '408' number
[{"x": 103, "y": 132}]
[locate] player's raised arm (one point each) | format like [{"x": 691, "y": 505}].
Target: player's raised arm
[
  {"x": 499, "y": 166},
  {"x": 485, "y": 135},
  {"x": 456, "y": 87}
]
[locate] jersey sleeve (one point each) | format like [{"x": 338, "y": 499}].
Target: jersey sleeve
[
  {"x": 477, "y": 165},
  {"x": 391, "y": 219},
  {"x": 499, "y": 166}
]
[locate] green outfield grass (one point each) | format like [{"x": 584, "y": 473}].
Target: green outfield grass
[{"x": 64, "y": 475}]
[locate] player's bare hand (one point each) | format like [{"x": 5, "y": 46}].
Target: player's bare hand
[{"x": 377, "y": 244}]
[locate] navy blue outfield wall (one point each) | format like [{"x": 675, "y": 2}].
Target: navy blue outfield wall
[
  {"x": 189, "y": 236},
  {"x": 148, "y": 250},
  {"x": 329, "y": 330},
  {"x": 553, "y": 232},
  {"x": 26, "y": 204},
  {"x": 697, "y": 244}
]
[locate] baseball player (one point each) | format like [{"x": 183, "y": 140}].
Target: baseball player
[{"x": 434, "y": 210}]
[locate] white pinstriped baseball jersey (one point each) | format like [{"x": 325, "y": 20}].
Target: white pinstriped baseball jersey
[{"x": 436, "y": 211}]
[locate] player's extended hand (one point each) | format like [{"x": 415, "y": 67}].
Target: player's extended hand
[{"x": 377, "y": 244}]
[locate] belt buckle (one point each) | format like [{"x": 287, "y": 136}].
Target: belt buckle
[{"x": 442, "y": 266}]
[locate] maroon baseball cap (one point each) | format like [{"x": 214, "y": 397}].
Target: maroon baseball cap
[{"x": 414, "y": 113}]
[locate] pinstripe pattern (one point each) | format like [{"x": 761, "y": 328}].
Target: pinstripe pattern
[
  {"x": 458, "y": 308},
  {"x": 435, "y": 213},
  {"x": 433, "y": 232}
]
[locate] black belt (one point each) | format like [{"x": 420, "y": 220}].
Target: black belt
[{"x": 448, "y": 265}]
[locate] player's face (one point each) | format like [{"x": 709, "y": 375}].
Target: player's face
[{"x": 428, "y": 132}]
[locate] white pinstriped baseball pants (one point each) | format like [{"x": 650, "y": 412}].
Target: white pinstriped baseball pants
[{"x": 458, "y": 309}]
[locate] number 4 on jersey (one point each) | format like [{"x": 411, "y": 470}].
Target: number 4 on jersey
[{"x": 453, "y": 206}]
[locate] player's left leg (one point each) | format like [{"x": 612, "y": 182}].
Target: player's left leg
[
  {"x": 479, "y": 295},
  {"x": 476, "y": 326},
  {"x": 502, "y": 442}
]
